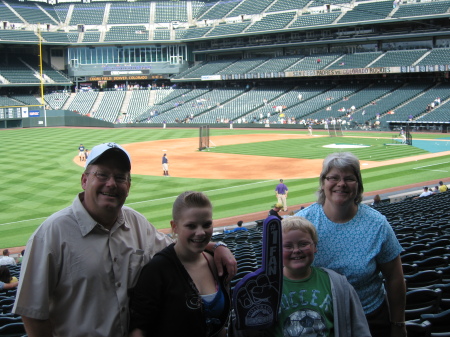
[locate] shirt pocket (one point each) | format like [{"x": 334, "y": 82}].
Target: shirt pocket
[{"x": 135, "y": 267}]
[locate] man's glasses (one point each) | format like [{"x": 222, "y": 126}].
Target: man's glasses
[
  {"x": 303, "y": 246},
  {"x": 336, "y": 179},
  {"x": 104, "y": 177}
]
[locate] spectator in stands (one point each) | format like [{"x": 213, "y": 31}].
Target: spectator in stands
[
  {"x": 376, "y": 200},
  {"x": 6, "y": 281},
  {"x": 22, "y": 254},
  {"x": 275, "y": 210},
  {"x": 239, "y": 227},
  {"x": 436, "y": 189},
  {"x": 426, "y": 192},
  {"x": 358, "y": 242},
  {"x": 88, "y": 256},
  {"x": 179, "y": 291},
  {"x": 6, "y": 260},
  {"x": 442, "y": 187},
  {"x": 307, "y": 288}
]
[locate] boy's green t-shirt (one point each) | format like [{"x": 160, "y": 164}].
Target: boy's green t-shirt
[{"x": 306, "y": 307}]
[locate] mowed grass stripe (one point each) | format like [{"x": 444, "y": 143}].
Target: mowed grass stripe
[{"x": 314, "y": 148}]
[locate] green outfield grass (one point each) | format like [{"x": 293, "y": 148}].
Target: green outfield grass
[{"x": 39, "y": 177}]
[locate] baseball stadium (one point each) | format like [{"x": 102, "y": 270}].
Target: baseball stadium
[{"x": 237, "y": 94}]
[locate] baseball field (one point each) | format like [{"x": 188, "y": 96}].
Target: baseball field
[{"x": 41, "y": 170}]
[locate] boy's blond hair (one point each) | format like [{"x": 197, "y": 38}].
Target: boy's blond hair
[{"x": 293, "y": 223}]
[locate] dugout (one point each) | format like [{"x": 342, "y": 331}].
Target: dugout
[{"x": 417, "y": 126}]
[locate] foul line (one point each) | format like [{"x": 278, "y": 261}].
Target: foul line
[
  {"x": 422, "y": 167},
  {"x": 151, "y": 200},
  {"x": 215, "y": 190}
]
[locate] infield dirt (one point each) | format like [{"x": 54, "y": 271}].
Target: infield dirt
[{"x": 186, "y": 161}]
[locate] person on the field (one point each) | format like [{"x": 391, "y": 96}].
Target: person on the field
[
  {"x": 181, "y": 282},
  {"x": 83, "y": 260},
  {"x": 165, "y": 165},
  {"x": 281, "y": 192},
  {"x": 81, "y": 154}
]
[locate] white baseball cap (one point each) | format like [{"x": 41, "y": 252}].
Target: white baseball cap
[{"x": 99, "y": 150}]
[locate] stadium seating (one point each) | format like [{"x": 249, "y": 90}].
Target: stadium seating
[
  {"x": 436, "y": 56},
  {"x": 73, "y": 36},
  {"x": 129, "y": 13},
  {"x": 161, "y": 34},
  {"x": 356, "y": 60},
  {"x": 307, "y": 108},
  {"x": 368, "y": 11},
  {"x": 422, "y": 301},
  {"x": 248, "y": 7},
  {"x": 439, "y": 323},
  {"x": 275, "y": 64},
  {"x": 271, "y": 22},
  {"x": 87, "y": 13},
  {"x": 55, "y": 37},
  {"x": 168, "y": 12},
  {"x": 56, "y": 100},
  {"x": 239, "y": 106},
  {"x": 139, "y": 103},
  {"x": 18, "y": 35},
  {"x": 7, "y": 15},
  {"x": 318, "y": 61},
  {"x": 418, "y": 105},
  {"x": 398, "y": 58},
  {"x": 109, "y": 107},
  {"x": 360, "y": 99},
  {"x": 127, "y": 33},
  {"x": 26, "y": 99},
  {"x": 218, "y": 10},
  {"x": 243, "y": 66},
  {"x": 207, "y": 68},
  {"x": 83, "y": 102},
  {"x": 419, "y": 9},
  {"x": 33, "y": 14},
  {"x": 228, "y": 29},
  {"x": 285, "y": 5},
  {"x": 389, "y": 101},
  {"x": 314, "y": 20},
  {"x": 191, "y": 33}
]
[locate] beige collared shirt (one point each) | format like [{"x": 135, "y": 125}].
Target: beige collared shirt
[{"x": 77, "y": 273}]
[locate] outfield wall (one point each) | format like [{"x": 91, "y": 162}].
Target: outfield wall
[{"x": 55, "y": 118}]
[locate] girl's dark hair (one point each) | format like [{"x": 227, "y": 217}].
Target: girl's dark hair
[{"x": 5, "y": 274}]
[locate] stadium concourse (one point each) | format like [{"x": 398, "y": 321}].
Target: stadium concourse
[{"x": 393, "y": 194}]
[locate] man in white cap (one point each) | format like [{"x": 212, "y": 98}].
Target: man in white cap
[{"x": 82, "y": 261}]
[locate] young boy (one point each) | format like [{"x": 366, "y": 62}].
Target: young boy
[{"x": 315, "y": 301}]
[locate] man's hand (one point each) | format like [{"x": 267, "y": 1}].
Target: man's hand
[{"x": 224, "y": 257}]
